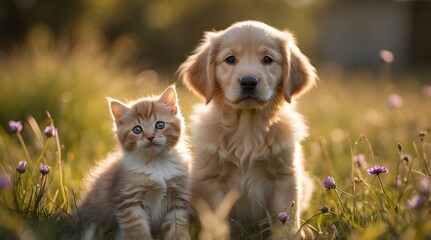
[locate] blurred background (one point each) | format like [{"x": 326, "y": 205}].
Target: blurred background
[
  {"x": 66, "y": 56},
  {"x": 63, "y": 58},
  {"x": 159, "y": 34}
]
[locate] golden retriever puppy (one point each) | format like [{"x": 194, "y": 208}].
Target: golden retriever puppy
[{"x": 247, "y": 136}]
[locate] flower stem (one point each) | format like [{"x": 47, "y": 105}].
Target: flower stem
[
  {"x": 373, "y": 194},
  {"x": 384, "y": 192},
  {"x": 354, "y": 197},
  {"x": 352, "y": 177},
  {"x": 369, "y": 147},
  {"x": 39, "y": 195},
  {"x": 60, "y": 170},
  {"x": 407, "y": 177},
  {"x": 339, "y": 199},
  {"x": 308, "y": 220},
  {"x": 422, "y": 156},
  {"x": 42, "y": 153},
  {"x": 24, "y": 147},
  {"x": 396, "y": 185}
]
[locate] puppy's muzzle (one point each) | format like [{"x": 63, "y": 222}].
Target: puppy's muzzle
[{"x": 248, "y": 83}]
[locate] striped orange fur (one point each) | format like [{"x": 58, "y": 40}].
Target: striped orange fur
[{"x": 142, "y": 189}]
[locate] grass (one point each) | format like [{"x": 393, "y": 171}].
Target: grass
[{"x": 348, "y": 115}]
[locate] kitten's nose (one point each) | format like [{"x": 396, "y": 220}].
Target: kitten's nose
[{"x": 150, "y": 138}]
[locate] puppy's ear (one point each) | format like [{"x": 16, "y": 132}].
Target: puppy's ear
[
  {"x": 298, "y": 73},
  {"x": 198, "y": 71}
]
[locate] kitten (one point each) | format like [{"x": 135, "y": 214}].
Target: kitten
[{"x": 142, "y": 189}]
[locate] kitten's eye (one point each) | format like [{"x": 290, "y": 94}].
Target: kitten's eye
[
  {"x": 267, "y": 60},
  {"x": 160, "y": 125},
  {"x": 230, "y": 60},
  {"x": 137, "y": 130}
]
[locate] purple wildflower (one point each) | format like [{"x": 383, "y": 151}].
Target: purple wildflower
[
  {"x": 395, "y": 101},
  {"x": 416, "y": 202},
  {"x": 377, "y": 170},
  {"x": 15, "y": 126},
  {"x": 398, "y": 182},
  {"x": 386, "y": 56},
  {"x": 359, "y": 160},
  {"x": 4, "y": 182},
  {"x": 50, "y": 131},
  {"x": 44, "y": 169},
  {"x": 329, "y": 183},
  {"x": 22, "y": 166},
  {"x": 282, "y": 217},
  {"x": 424, "y": 186}
]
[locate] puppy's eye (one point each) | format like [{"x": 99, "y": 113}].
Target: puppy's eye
[
  {"x": 267, "y": 60},
  {"x": 230, "y": 60},
  {"x": 137, "y": 130},
  {"x": 160, "y": 125}
]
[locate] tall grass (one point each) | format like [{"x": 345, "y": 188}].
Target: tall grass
[
  {"x": 354, "y": 121},
  {"x": 356, "y": 125}
]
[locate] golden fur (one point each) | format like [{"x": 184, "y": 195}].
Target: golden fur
[{"x": 247, "y": 136}]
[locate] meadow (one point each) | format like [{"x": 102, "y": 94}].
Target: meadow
[{"x": 369, "y": 149}]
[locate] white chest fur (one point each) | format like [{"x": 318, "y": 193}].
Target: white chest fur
[
  {"x": 151, "y": 181},
  {"x": 158, "y": 170}
]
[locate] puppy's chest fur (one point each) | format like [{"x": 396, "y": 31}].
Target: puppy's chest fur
[
  {"x": 248, "y": 139},
  {"x": 250, "y": 143}
]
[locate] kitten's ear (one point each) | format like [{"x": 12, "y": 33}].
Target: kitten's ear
[
  {"x": 169, "y": 97},
  {"x": 118, "y": 109}
]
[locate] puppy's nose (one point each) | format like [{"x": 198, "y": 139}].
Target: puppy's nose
[{"x": 248, "y": 83}]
